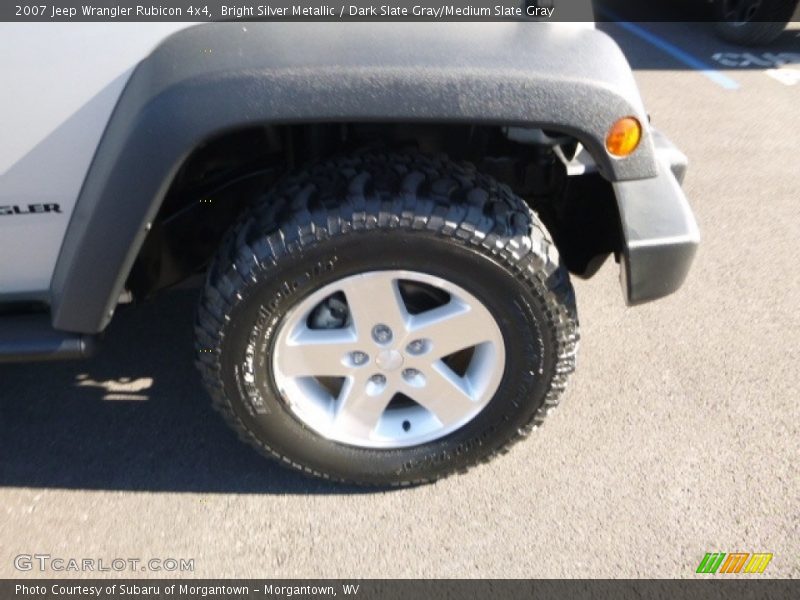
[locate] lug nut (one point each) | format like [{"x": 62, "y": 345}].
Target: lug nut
[
  {"x": 414, "y": 377},
  {"x": 418, "y": 347},
  {"x": 376, "y": 384},
  {"x": 358, "y": 358},
  {"x": 382, "y": 334}
]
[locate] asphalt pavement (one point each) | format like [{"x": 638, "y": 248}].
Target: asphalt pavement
[{"x": 679, "y": 434}]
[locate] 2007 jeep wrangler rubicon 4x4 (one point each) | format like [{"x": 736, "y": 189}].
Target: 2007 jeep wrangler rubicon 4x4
[{"x": 387, "y": 216}]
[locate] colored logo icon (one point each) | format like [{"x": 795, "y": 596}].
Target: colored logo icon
[{"x": 737, "y": 562}]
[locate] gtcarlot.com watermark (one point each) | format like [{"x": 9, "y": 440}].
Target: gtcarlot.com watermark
[{"x": 44, "y": 563}]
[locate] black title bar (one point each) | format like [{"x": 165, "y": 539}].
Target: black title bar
[
  {"x": 355, "y": 10},
  {"x": 713, "y": 588}
]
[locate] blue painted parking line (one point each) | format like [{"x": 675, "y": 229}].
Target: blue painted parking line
[{"x": 676, "y": 53}]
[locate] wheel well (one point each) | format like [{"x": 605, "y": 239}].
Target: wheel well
[{"x": 220, "y": 176}]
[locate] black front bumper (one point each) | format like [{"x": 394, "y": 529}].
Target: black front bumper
[{"x": 660, "y": 234}]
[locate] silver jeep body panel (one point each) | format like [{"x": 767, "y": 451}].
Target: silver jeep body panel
[{"x": 60, "y": 83}]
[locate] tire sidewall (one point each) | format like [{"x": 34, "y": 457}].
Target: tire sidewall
[{"x": 511, "y": 292}]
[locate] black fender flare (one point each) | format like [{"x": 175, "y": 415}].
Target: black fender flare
[{"x": 213, "y": 78}]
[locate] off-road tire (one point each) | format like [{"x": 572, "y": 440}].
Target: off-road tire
[{"x": 350, "y": 215}]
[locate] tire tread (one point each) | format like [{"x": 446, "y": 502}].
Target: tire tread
[{"x": 386, "y": 191}]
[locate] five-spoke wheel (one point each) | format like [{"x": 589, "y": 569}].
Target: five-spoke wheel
[{"x": 386, "y": 373}]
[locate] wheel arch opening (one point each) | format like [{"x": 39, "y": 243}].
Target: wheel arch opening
[{"x": 224, "y": 173}]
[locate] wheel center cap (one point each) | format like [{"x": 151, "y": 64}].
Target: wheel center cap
[{"x": 389, "y": 360}]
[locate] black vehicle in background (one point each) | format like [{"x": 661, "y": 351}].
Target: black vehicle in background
[{"x": 753, "y": 22}]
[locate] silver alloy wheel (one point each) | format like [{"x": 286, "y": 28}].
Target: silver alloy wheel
[{"x": 381, "y": 378}]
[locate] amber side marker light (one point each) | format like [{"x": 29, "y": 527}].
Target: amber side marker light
[{"x": 624, "y": 136}]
